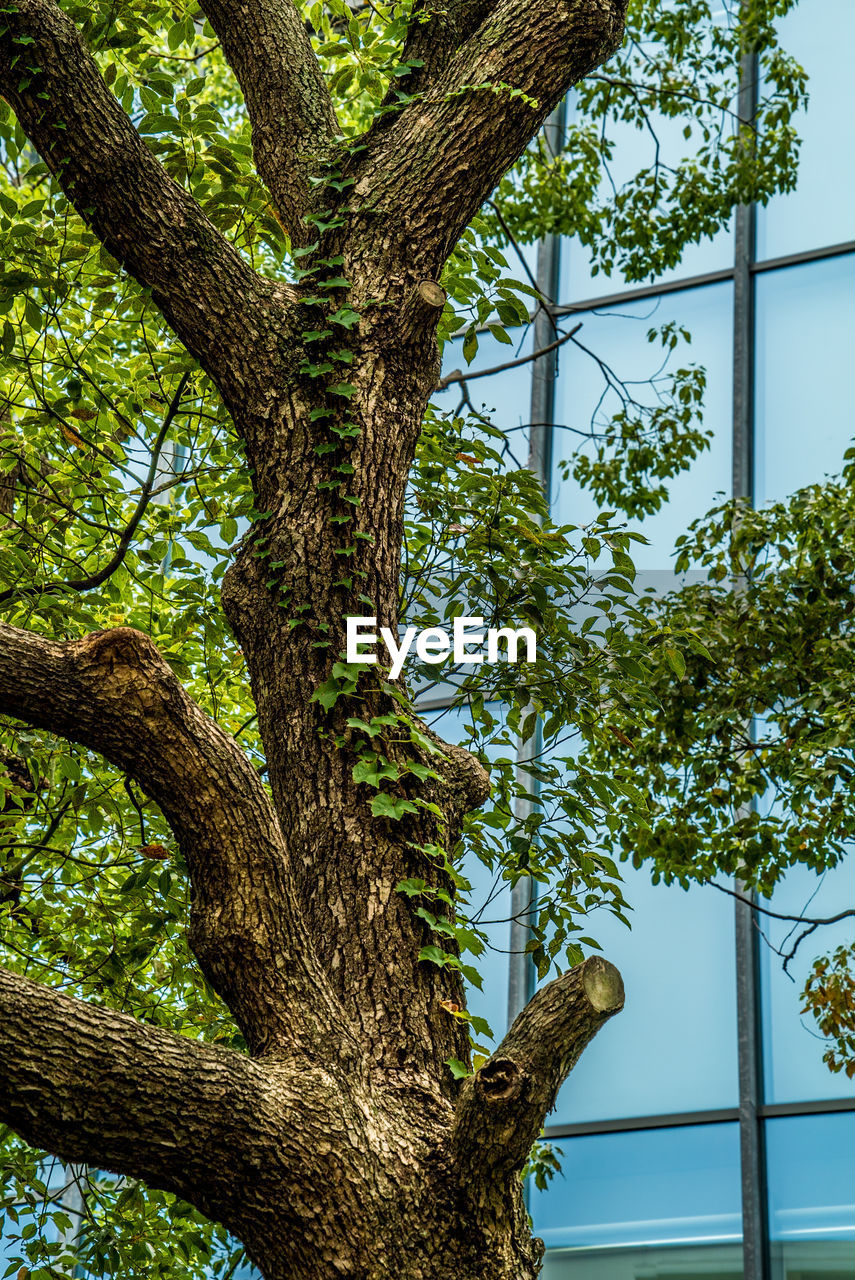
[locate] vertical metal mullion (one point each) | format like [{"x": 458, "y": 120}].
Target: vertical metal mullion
[
  {"x": 743, "y": 352},
  {"x": 544, "y": 369},
  {"x": 542, "y": 414},
  {"x": 755, "y": 1233}
]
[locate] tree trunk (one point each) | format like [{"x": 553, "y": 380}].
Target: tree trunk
[{"x": 342, "y": 1146}]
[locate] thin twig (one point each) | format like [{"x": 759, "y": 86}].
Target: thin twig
[
  {"x": 96, "y": 579},
  {"x": 777, "y": 915},
  {"x": 458, "y": 376}
]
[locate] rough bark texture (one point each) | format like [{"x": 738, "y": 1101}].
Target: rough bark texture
[{"x": 342, "y": 1147}]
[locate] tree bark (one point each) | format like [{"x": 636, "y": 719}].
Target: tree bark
[{"x": 342, "y": 1147}]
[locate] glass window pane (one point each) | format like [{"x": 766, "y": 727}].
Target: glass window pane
[
  {"x": 650, "y": 1187},
  {"x": 792, "y": 1046},
  {"x": 805, "y": 421},
  {"x": 492, "y": 898},
  {"x": 578, "y": 284},
  {"x": 642, "y": 1062},
  {"x": 821, "y": 211},
  {"x": 527, "y": 255},
  {"x": 695, "y": 1262},
  {"x": 503, "y": 398},
  {"x": 636, "y": 149},
  {"x": 673, "y": 1047},
  {"x": 618, "y": 336},
  {"x": 811, "y": 1161}
]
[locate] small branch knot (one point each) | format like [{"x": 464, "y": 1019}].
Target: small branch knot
[
  {"x": 467, "y": 777},
  {"x": 499, "y": 1080},
  {"x": 421, "y": 311},
  {"x": 120, "y": 646},
  {"x": 431, "y": 294}
]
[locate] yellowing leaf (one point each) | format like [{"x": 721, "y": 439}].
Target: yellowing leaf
[{"x": 72, "y": 437}]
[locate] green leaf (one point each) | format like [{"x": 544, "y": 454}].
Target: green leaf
[
  {"x": 676, "y": 661},
  {"x": 328, "y": 694},
  {"x": 383, "y": 805},
  {"x": 470, "y": 346},
  {"x": 412, "y": 888}
]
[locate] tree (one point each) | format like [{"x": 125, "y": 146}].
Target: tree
[{"x": 257, "y": 322}]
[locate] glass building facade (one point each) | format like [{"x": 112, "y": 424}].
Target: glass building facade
[{"x": 702, "y": 1135}]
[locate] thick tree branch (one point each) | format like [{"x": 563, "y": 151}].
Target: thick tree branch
[
  {"x": 434, "y": 165},
  {"x": 502, "y": 1107},
  {"x": 155, "y": 229},
  {"x": 289, "y": 106},
  {"x": 242, "y": 1141},
  {"x": 97, "y": 1086},
  {"x": 113, "y": 692},
  {"x": 437, "y": 29}
]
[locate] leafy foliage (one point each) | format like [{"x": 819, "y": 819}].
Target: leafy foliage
[
  {"x": 481, "y": 544},
  {"x": 830, "y": 996},
  {"x": 746, "y": 763},
  {"x": 675, "y": 82},
  {"x": 65, "y": 1220},
  {"x": 639, "y": 444},
  {"x": 747, "y": 760}
]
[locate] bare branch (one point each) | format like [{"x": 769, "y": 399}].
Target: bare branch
[
  {"x": 814, "y": 921},
  {"x": 101, "y": 575},
  {"x": 289, "y": 106},
  {"x": 457, "y": 376},
  {"x": 512, "y": 240}
]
